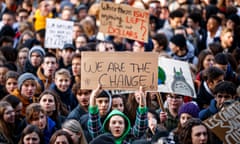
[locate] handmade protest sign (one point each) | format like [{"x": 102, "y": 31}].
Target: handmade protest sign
[
  {"x": 226, "y": 124},
  {"x": 175, "y": 77},
  {"x": 119, "y": 70},
  {"x": 124, "y": 21},
  {"x": 58, "y": 32}
]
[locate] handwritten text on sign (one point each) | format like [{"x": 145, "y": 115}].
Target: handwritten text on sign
[
  {"x": 226, "y": 124},
  {"x": 119, "y": 70},
  {"x": 58, "y": 32},
  {"x": 125, "y": 21}
]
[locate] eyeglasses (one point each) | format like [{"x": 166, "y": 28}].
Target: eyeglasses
[
  {"x": 223, "y": 96},
  {"x": 177, "y": 97}
]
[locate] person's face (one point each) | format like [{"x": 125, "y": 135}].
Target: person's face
[
  {"x": 28, "y": 89},
  {"x": 40, "y": 122},
  {"x": 152, "y": 121},
  {"x": 227, "y": 39},
  {"x": 22, "y": 57},
  {"x": 199, "y": 135},
  {"x": 137, "y": 47},
  {"x": 230, "y": 24},
  {"x": 9, "y": 115},
  {"x": 67, "y": 55},
  {"x": 3, "y": 71},
  {"x": 212, "y": 25},
  {"x": 44, "y": 8},
  {"x": 83, "y": 97},
  {"x": 155, "y": 9},
  {"x": 76, "y": 32},
  {"x": 190, "y": 23},
  {"x": 221, "y": 98},
  {"x": 173, "y": 47},
  {"x": 22, "y": 17},
  {"x": 80, "y": 41},
  {"x": 75, "y": 137},
  {"x": 116, "y": 126},
  {"x": 62, "y": 82},
  {"x": 48, "y": 103},
  {"x": 7, "y": 19},
  {"x": 174, "y": 101},
  {"x": 156, "y": 47},
  {"x": 103, "y": 47},
  {"x": 11, "y": 85},
  {"x": 102, "y": 103},
  {"x": 208, "y": 61},
  {"x": 35, "y": 59},
  {"x": 66, "y": 14},
  {"x": 137, "y": 96},
  {"x": 117, "y": 103},
  {"x": 82, "y": 14},
  {"x": 26, "y": 6},
  {"x": 176, "y": 22},
  {"x": 31, "y": 138},
  {"x": 62, "y": 139},
  {"x": 76, "y": 66},
  {"x": 184, "y": 117},
  {"x": 213, "y": 84},
  {"x": 49, "y": 66}
]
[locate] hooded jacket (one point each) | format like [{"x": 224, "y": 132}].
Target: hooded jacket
[
  {"x": 120, "y": 139},
  {"x": 188, "y": 57}
]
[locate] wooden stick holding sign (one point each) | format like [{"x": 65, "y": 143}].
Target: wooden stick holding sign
[{"x": 160, "y": 101}]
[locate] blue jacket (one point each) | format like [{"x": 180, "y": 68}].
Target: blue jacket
[
  {"x": 49, "y": 130},
  {"x": 208, "y": 112},
  {"x": 66, "y": 97}
]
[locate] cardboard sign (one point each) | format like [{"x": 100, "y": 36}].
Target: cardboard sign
[
  {"x": 124, "y": 21},
  {"x": 226, "y": 124},
  {"x": 58, "y": 32},
  {"x": 175, "y": 77},
  {"x": 119, "y": 70}
]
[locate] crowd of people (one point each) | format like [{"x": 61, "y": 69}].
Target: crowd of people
[{"x": 40, "y": 87}]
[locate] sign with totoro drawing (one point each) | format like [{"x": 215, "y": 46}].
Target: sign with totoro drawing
[
  {"x": 119, "y": 70},
  {"x": 124, "y": 21},
  {"x": 174, "y": 76},
  {"x": 226, "y": 124}
]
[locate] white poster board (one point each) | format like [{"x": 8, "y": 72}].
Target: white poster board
[
  {"x": 175, "y": 77},
  {"x": 58, "y": 32}
]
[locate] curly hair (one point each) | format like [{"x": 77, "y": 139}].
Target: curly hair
[{"x": 186, "y": 132}]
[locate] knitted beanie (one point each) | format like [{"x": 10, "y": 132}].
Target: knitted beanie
[
  {"x": 24, "y": 77},
  {"x": 189, "y": 108},
  {"x": 179, "y": 40},
  {"x": 38, "y": 49}
]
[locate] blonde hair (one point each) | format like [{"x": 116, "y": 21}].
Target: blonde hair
[
  {"x": 226, "y": 30},
  {"x": 62, "y": 72},
  {"x": 75, "y": 127}
]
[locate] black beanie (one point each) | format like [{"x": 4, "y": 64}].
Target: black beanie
[
  {"x": 105, "y": 138},
  {"x": 179, "y": 40}
]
